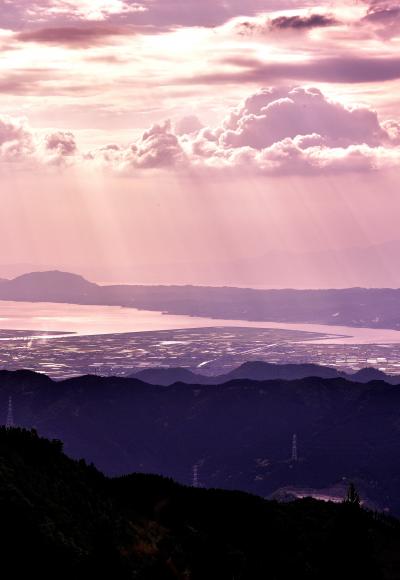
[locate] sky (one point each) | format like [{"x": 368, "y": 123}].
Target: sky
[{"x": 252, "y": 143}]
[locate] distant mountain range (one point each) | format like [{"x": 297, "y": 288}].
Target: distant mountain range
[
  {"x": 63, "y": 519},
  {"x": 373, "y": 265},
  {"x": 259, "y": 371},
  {"x": 239, "y": 434},
  {"x": 376, "y": 307}
]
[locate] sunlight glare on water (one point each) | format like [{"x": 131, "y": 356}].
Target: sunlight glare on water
[{"x": 91, "y": 320}]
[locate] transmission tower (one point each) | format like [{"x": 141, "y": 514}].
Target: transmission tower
[
  {"x": 195, "y": 476},
  {"x": 295, "y": 456},
  {"x": 10, "y": 414}
]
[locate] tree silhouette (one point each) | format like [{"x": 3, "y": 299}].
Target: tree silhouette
[{"x": 352, "y": 496}]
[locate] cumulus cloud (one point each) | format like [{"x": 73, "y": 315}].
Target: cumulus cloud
[
  {"x": 19, "y": 143},
  {"x": 392, "y": 128},
  {"x": 299, "y": 131},
  {"x": 62, "y": 142},
  {"x": 276, "y": 131},
  {"x": 187, "y": 125},
  {"x": 16, "y": 142},
  {"x": 272, "y": 115},
  {"x": 158, "y": 148}
]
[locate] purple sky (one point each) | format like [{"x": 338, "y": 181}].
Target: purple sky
[{"x": 188, "y": 141}]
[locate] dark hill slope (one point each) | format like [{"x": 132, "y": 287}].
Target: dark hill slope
[
  {"x": 63, "y": 519},
  {"x": 168, "y": 376},
  {"x": 239, "y": 434}
]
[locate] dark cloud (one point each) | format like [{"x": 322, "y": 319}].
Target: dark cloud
[
  {"x": 298, "y": 22},
  {"x": 379, "y": 4},
  {"x": 381, "y": 11},
  {"x": 76, "y": 37},
  {"x": 340, "y": 69},
  {"x": 384, "y": 17}
]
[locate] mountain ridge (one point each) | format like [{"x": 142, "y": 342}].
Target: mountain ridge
[
  {"x": 358, "y": 307},
  {"x": 239, "y": 433},
  {"x": 259, "y": 370}
]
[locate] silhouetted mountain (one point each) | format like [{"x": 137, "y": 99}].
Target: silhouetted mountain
[
  {"x": 371, "y": 374},
  {"x": 63, "y": 519},
  {"x": 239, "y": 434},
  {"x": 14, "y": 269},
  {"x": 169, "y": 376},
  {"x": 263, "y": 371},
  {"x": 376, "y": 307},
  {"x": 48, "y": 286},
  {"x": 259, "y": 371}
]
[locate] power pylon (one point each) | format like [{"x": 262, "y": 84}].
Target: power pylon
[
  {"x": 195, "y": 476},
  {"x": 294, "y": 448},
  {"x": 10, "y": 414}
]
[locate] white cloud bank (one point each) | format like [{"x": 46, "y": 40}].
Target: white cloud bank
[{"x": 274, "y": 132}]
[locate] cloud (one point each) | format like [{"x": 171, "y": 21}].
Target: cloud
[
  {"x": 347, "y": 68},
  {"x": 298, "y": 131},
  {"x": 160, "y": 14},
  {"x": 294, "y": 23},
  {"x": 74, "y": 37},
  {"x": 392, "y": 128},
  {"x": 289, "y": 157},
  {"x": 92, "y": 10},
  {"x": 270, "y": 116},
  {"x": 19, "y": 143},
  {"x": 379, "y": 5},
  {"x": 61, "y": 143},
  {"x": 384, "y": 17},
  {"x": 16, "y": 140},
  {"x": 276, "y": 131},
  {"x": 187, "y": 125},
  {"x": 299, "y": 22},
  {"x": 158, "y": 148}
]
